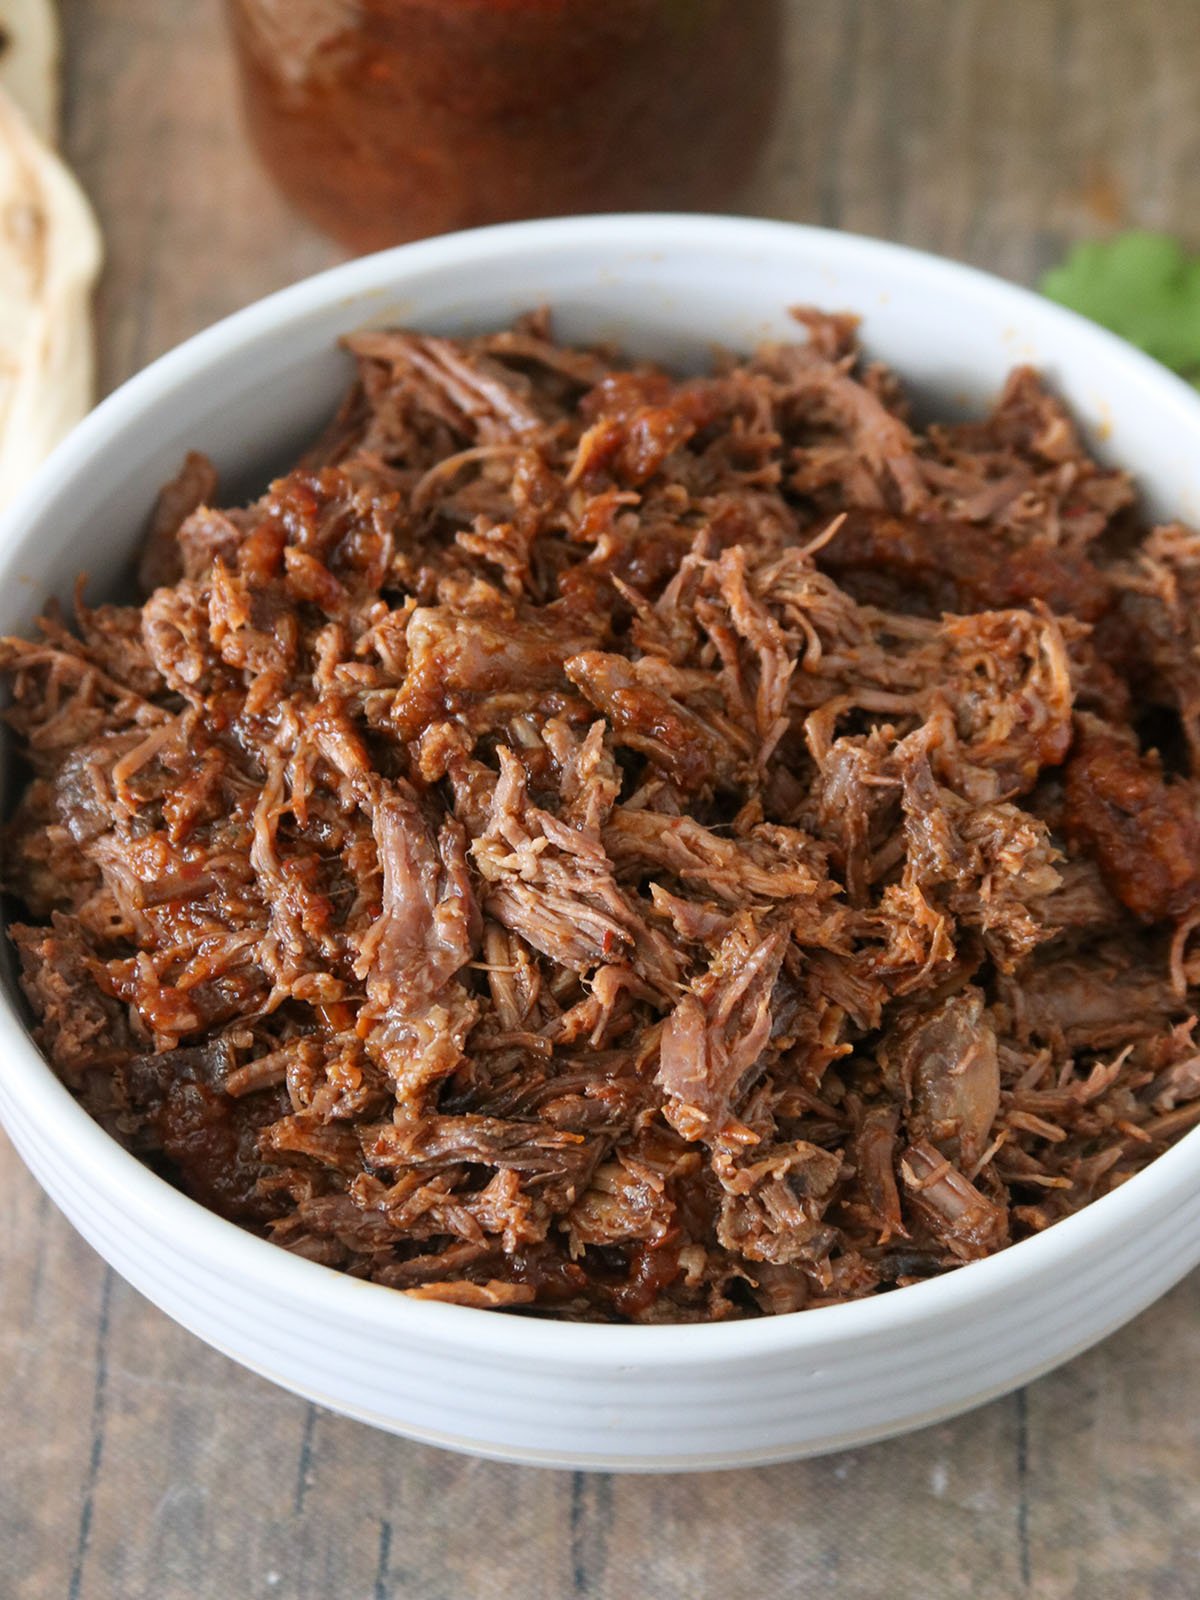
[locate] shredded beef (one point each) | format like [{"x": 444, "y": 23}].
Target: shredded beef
[{"x": 595, "y": 844}]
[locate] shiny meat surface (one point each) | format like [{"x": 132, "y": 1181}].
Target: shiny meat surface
[{"x": 601, "y": 845}]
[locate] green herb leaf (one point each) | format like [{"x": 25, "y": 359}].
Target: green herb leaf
[{"x": 1143, "y": 286}]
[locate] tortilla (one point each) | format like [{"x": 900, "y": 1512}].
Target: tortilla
[
  {"x": 50, "y": 255},
  {"x": 29, "y": 61}
]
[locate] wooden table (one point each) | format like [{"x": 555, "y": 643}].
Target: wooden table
[{"x": 135, "y": 1464}]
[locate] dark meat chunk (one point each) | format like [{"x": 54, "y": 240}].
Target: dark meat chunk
[
  {"x": 193, "y": 486},
  {"x": 643, "y": 715},
  {"x": 418, "y": 1015},
  {"x": 1097, "y": 1000},
  {"x": 475, "y": 395},
  {"x": 1143, "y": 830},
  {"x": 935, "y": 566},
  {"x": 554, "y": 885},
  {"x": 545, "y": 1156},
  {"x": 874, "y": 1155},
  {"x": 944, "y": 1064},
  {"x": 952, "y": 1210},
  {"x": 1152, "y": 639},
  {"x": 475, "y": 664},
  {"x": 720, "y": 1029},
  {"x": 78, "y": 1025},
  {"x": 209, "y": 1140}
]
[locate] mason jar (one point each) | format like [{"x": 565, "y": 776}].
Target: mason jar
[{"x": 385, "y": 120}]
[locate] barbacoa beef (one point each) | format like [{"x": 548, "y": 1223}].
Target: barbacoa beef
[{"x": 626, "y": 848}]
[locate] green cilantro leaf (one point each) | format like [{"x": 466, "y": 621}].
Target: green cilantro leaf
[{"x": 1143, "y": 286}]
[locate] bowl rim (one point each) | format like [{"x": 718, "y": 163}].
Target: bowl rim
[{"x": 228, "y": 1250}]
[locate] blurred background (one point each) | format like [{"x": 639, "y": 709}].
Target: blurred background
[
  {"x": 994, "y": 131},
  {"x": 139, "y": 1465}
]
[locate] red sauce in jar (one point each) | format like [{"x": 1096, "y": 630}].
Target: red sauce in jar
[{"x": 386, "y": 120}]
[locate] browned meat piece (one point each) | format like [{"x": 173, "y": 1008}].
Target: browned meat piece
[
  {"x": 624, "y": 1203},
  {"x": 1008, "y": 683},
  {"x": 719, "y": 1031},
  {"x": 773, "y": 1207},
  {"x": 63, "y": 697},
  {"x": 78, "y": 1025},
  {"x": 594, "y": 844},
  {"x": 864, "y": 447},
  {"x": 933, "y": 566},
  {"x": 478, "y": 666},
  {"x": 212, "y": 1146},
  {"x": 1098, "y": 1000},
  {"x": 943, "y": 1064},
  {"x": 209, "y": 535},
  {"x": 175, "y": 632},
  {"x": 1143, "y": 831},
  {"x": 1030, "y": 421},
  {"x": 990, "y": 866},
  {"x": 1082, "y": 900},
  {"x": 546, "y": 1156},
  {"x": 427, "y": 929},
  {"x": 472, "y": 393},
  {"x": 43, "y": 865},
  {"x": 486, "y": 1296},
  {"x": 112, "y": 636},
  {"x": 874, "y": 1155},
  {"x": 1154, "y": 637},
  {"x": 637, "y": 420},
  {"x": 555, "y": 886},
  {"x": 210, "y": 1141},
  {"x": 193, "y": 486},
  {"x": 648, "y": 718},
  {"x": 768, "y": 863},
  {"x": 856, "y": 795},
  {"x": 957, "y": 1216}
]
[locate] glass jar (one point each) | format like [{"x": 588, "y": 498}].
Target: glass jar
[{"x": 385, "y": 120}]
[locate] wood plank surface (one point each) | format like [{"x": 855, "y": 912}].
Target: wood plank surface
[{"x": 136, "y": 1464}]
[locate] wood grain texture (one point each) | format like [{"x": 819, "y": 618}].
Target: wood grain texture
[{"x": 136, "y": 1464}]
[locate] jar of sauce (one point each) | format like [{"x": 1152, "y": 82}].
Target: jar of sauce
[{"x": 385, "y": 120}]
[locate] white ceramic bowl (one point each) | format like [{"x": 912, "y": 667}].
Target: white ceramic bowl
[{"x": 253, "y": 388}]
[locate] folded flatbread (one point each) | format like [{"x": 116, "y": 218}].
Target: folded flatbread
[
  {"x": 50, "y": 255},
  {"x": 29, "y": 61}
]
